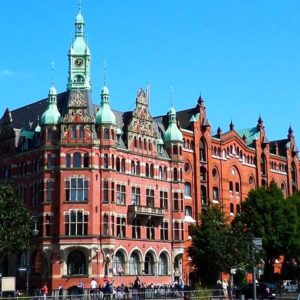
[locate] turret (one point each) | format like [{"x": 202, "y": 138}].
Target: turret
[
  {"x": 51, "y": 116},
  {"x": 173, "y": 136},
  {"x": 79, "y": 58}
]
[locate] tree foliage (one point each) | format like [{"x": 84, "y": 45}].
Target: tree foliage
[
  {"x": 14, "y": 222},
  {"x": 267, "y": 215},
  {"x": 218, "y": 247}
]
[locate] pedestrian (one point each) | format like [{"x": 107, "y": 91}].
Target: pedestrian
[
  {"x": 136, "y": 289},
  {"x": 80, "y": 288},
  {"x": 60, "y": 291},
  {"x": 45, "y": 290},
  {"x": 93, "y": 288},
  {"x": 225, "y": 288}
]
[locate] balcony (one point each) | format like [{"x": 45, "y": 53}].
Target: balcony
[{"x": 139, "y": 210}]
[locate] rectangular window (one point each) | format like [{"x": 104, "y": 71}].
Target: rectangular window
[
  {"x": 112, "y": 192},
  {"x": 77, "y": 189},
  {"x": 136, "y": 229},
  {"x": 230, "y": 186},
  {"x": 178, "y": 231},
  {"x": 105, "y": 225},
  {"x": 121, "y": 227},
  {"x": 150, "y": 230},
  {"x": 105, "y": 191},
  {"x": 187, "y": 189},
  {"x": 215, "y": 194},
  {"x": 164, "y": 231},
  {"x": 49, "y": 191},
  {"x": 121, "y": 194},
  {"x": 135, "y": 195},
  {"x": 49, "y": 161},
  {"x": 176, "y": 201},
  {"x": 48, "y": 225},
  {"x": 150, "y": 197},
  {"x": 76, "y": 223},
  {"x": 163, "y": 199}
]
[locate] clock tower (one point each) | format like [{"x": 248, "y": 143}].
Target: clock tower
[{"x": 79, "y": 58}]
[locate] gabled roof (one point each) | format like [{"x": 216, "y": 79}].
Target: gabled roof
[{"x": 26, "y": 117}]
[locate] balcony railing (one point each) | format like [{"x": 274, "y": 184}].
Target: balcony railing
[{"x": 146, "y": 211}]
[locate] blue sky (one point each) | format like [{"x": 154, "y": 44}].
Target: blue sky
[{"x": 242, "y": 56}]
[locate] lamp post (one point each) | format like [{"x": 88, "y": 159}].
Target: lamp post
[
  {"x": 257, "y": 245},
  {"x": 34, "y": 232}
]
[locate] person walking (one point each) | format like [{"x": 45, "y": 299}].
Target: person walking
[
  {"x": 136, "y": 289},
  {"x": 93, "y": 288},
  {"x": 45, "y": 290}
]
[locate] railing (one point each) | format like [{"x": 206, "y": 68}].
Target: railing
[
  {"x": 146, "y": 210},
  {"x": 158, "y": 293}
]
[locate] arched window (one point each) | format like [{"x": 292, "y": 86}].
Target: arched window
[
  {"x": 263, "y": 165},
  {"x": 68, "y": 160},
  {"x": 77, "y": 160},
  {"x": 119, "y": 263},
  {"x": 118, "y": 165},
  {"x": 134, "y": 264},
  {"x": 79, "y": 79},
  {"x": 175, "y": 174},
  {"x": 203, "y": 195},
  {"x": 81, "y": 132},
  {"x": 151, "y": 170},
  {"x": 123, "y": 165},
  {"x": 76, "y": 263},
  {"x": 135, "y": 142},
  {"x": 106, "y": 133},
  {"x": 149, "y": 264},
  {"x": 133, "y": 167},
  {"x": 188, "y": 211},
  {"x": 160, "y": 172},
  {"x": 147, "y": 170},
  {"x": 163, "y": 264},
  {"x": 202, "y": 151},
  {"x": 138, "y": 169},
  {"x": 86, "y": 160},
  {"x": 215, "y": 194},
  {"x": 175, "y": 149},
  {"x": 73, "y": 132},
  {"x": 105, "y": 161},
  {"x": 202, "y": 173}
]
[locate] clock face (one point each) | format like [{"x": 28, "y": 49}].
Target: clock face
[{"x": 79, "y": 62}]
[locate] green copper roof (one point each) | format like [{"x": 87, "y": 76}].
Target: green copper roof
[
  {"x": 105, "y": 115},
  {"x": 251, "y": 134},
  {"x": 172, "y": 133},
  {"x": 51, "y": 115},
  {"x": 27, "y": 134}
]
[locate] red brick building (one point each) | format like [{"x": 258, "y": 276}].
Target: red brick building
[{"x": 114, "y": 192}]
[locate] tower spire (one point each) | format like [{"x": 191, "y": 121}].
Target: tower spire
[
  {"x": 52, "y": 72},
  {"x": 104, "y": 73}
]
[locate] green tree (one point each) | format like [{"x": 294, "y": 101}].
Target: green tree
[
  {"x": 14, "y": 222},
  {"x": 267, "y": 215},
  {"x": 218, "y": 247}
]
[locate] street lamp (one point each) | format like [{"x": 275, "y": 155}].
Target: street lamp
[
  {"x": 34, "y": 232},
  {"x": 257, "y": 245}
]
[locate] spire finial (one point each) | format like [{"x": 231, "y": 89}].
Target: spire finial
[
  {"x": 104, "y": 72},
  {"x": 171, "y": 94},
  {"x": 52, "y": 72},
  {"x": 79, "y": 5}
]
